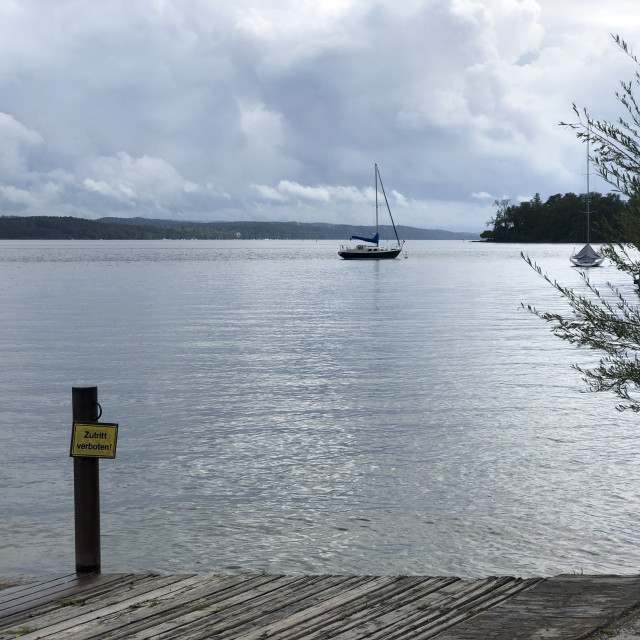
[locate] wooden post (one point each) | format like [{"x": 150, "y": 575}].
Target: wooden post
[{"x": 86, "y": 487}]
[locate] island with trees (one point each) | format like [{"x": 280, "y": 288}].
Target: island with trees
[{"x": 561, "y": 218}]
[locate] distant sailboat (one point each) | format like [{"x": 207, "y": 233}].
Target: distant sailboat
[
  {"x": 366, "y": 252},
  {"x": 587, "y": 256}
]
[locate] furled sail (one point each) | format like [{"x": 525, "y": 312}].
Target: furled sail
[
  {"x": 374, "y": 240},
  {"x": 588, "y": 254}
]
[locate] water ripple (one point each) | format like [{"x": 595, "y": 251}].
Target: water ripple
[{"x": 283, "y": 410}]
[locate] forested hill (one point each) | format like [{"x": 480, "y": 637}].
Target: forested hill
[
  {"x": 68, "y": 228},
  {"x": 562, "y": 218}
]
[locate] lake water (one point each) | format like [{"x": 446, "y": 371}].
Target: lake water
[{"x": 283, "y": 410}]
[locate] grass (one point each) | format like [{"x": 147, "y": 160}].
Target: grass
[
  {"x": 20, "y": 632},
  {"x": 71, "y": 603}
]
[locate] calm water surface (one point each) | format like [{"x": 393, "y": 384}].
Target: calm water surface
[{"x": 283, "y": 410}]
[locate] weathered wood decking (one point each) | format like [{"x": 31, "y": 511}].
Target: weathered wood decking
[{"x": 256, "y": 607}]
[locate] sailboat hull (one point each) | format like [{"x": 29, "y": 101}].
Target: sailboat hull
[
  {"x": 587, "y": 257},
  {"x": 369, "y": 253},
  {"x": 584, "y": 263}
]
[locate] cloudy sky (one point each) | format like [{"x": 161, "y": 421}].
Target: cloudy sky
[{"x": 277, "y": 109}]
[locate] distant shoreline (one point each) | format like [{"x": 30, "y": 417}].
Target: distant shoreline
[{"x": 69, "y": 228}]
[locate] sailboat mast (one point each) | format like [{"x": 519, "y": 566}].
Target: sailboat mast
[
  {"x": 375, "y": 168},
  {"x": 588, "y": 192}
]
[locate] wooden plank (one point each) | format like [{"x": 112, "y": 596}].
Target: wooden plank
[
  {"x": 362, "y": 614},
  {"x": 263, "y": 615},
  {"x": 251, "y": 607},
  {"x": 315, "y": 615},
  {"x": 407, "y": 619},
  {"x": 30, "y": 597},
  {"x": 240, "y": 608},
  {"x": 73, "y": 621},
  {"x": 32, "y": 590},
  {"x": 290, "y": 601},
  {"x": 153, "y": 607},
  {"x": 97, "y": 595},
  {"x": 564, "y": 607},
  {"x": 233, "y": 612},
  {"x": 256, "y": 606},
  {"x": 469, "y": 610},
  {"x": 361, "y": 618},
  {"x": 209, "y": 598}
]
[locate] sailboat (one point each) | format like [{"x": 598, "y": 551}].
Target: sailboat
[
  {"x": 373, "y": 250},
  {"x": 587, "y": 256}
]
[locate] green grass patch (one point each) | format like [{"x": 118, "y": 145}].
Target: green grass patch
[{"x": 66, "y": 602}]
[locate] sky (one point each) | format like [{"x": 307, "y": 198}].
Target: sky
[{"x": 277, "y": 110}]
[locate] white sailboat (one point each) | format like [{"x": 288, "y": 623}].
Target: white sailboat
[
  {"x": 587, "y": 256},
  {"x": 373, "y": 251}
]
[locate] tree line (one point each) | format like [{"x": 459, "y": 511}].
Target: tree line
[
  {"x": 71, "y": 228},
  {"x": 562, "y": 218}
]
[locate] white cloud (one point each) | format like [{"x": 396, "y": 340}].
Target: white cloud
[
  {"x": 17, "y": 143},
  {"x": 506, "y": 29},
  {"x": 261, "y": 126},
  {"x": 482, "y": 195},
  {"x": 269, "y": 193},
  {"x": 117, "y": 191},
  {"x": 399, "y": 198},
  {"x": 287, "y": 190},
  {"x": 319, "y": 194},
  {"x": 18, "y": 196},
  {"x": 190, "y": 187},
  {"x": 123, "y": 177}
]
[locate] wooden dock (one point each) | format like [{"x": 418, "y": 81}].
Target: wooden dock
[{"x": 261, "y": 606}]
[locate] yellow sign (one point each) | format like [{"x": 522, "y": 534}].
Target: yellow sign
[{"x": 94, "y": 440}]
